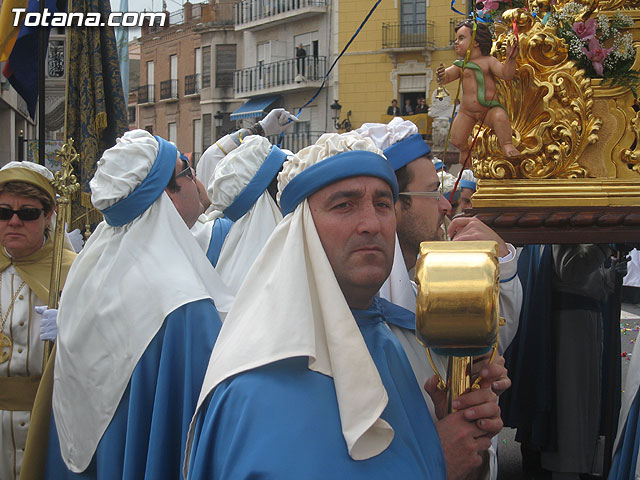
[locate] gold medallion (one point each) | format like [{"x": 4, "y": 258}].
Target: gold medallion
[{"x": 6, "y": 345}]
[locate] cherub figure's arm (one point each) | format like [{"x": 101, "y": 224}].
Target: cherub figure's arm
[
  {"x": 447, "y": 75},
  {"x": 506, "y": 70}
]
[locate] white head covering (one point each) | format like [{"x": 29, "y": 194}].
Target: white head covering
[
  {"x": 281, "y": 313},
  {"x": 397, "y": 288},
  {"x": 448, "y": 181},
  {"x": 46, "y": 173},
  {"x": 109, "y": 311},
  {"x": 249, "y": 233},
  {"x": 467, "y": 180},
  {"x": 386, "y": 134}
]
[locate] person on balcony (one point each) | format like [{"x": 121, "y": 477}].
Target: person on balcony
[{"x": 301, "y": 56}]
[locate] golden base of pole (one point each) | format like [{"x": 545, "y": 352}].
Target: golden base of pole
[{"x": 458, "y": 379}]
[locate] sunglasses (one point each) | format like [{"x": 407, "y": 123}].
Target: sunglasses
[
  {"x": 24, "y": 214},
  {"x": 186, "y": 172}
]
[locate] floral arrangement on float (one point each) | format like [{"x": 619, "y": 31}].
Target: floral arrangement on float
[{"x": 598, "y": 45}]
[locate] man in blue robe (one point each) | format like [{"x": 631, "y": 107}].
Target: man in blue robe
[
  {"x": 235, "y": 190},
  {"x": 306, "y": 379},
  {"x": 138, "y": 324},
  {"x": 242, "y": 192},
  {"x": 420, "y": 213}
]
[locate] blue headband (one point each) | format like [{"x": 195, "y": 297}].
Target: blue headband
[
  {"x": 354, "y": 163},
  {"x": 439, "y": 166},
  {"x": 134, "y": 204},
  {"x": 258, "y": 184},
  {"x": 468, "y": 184},
  {"x": 406, "y": 151}
]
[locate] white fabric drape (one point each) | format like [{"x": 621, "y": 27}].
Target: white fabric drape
[{"x": 118, "y": 292}]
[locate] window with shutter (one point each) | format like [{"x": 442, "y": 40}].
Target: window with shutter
[{"x": 225, "y": 65}]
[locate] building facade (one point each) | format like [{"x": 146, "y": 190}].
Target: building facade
[
  {"x": 287, "y": 49},
  {"x": 221, "y": 46},
  {"x": 168, "y": 96},
  {"x": 397, "y": 53}
]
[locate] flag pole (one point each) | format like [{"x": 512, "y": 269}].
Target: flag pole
[{"x": 42, "y": 47}]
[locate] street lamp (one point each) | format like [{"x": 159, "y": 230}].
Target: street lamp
[
  {"x": 345, "y": 125},
  {"x": 218, "y": 118}
]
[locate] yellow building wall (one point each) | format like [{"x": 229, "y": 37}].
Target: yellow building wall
[{"x": 366, "y": 71}]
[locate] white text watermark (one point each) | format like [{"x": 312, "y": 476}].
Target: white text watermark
[{"x": 90, "y": 19}]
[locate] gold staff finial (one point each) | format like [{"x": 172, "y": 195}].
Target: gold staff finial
[{"x": 65, "y": 184}]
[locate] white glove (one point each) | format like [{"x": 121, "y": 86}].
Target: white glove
[
  {"x": 276, "y": 121},
  {"x": 48, "y": 325},
  {"x": 77, "y": 242}
]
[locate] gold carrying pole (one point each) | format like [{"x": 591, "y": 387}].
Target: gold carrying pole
[
  {"x": 457, "y": 308},
  {"x": 65, "y": 184}
]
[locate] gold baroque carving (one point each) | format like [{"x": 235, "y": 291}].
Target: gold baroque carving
[
  {"x": 550, "y": 105},
  {"x": 632, "y": 157}
]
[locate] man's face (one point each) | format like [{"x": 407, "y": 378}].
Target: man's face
[
  {"x": 465, "y": 198},
  {"x": 356, "y": 224},
  {"x": 186, "y": 199},
  {"x": 421, "y": 220}
]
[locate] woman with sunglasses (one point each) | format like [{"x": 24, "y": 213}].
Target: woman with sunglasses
[{"x": 27, "y": 206}]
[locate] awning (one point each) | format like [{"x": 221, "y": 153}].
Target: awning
[{"x": 254, "y": 107}]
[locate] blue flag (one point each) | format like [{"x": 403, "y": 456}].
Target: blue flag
[{"x": 22, "y": 67}]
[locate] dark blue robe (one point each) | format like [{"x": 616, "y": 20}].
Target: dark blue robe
[
  {"x": 626, "y": 457},
  {"x": 281, "y": 420},
  {"x": 147, "y": 435},
  {"x": 219, "y": 232}
]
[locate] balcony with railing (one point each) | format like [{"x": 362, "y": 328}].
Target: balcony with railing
[
  {"x": 146, "y": 94},
  {"x": 192, "y": 85},
  {"x": 408, "y": 36},
  {"x": 169, "y": 90},
  {"x": 258, "y": 13},
  {"x": 285, "y": 75},
  {"x": 295, "y": 141}
]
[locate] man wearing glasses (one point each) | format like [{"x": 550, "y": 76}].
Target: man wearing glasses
[
  {"x": 138, "y": 323},
  {"x": 420, "y": 212},
  {"x": 183, "y": 192}
]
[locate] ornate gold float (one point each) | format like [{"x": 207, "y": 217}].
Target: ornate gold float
[{"x": 578, "y": 178}]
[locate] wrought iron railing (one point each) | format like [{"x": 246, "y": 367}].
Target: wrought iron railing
[
  {"x": 192, "y": 84},
  {"x": 252, "y": 10},
  {"x": 285, "y": 72},
  {"x": 146, "y": 94},
  {"x": 296, "y": 141},
  {"x": 168, "y": 89},
  {"x": 406, "y": 35}
]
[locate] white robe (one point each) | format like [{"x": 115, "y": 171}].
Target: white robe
[{"x": 23, "y": 326}]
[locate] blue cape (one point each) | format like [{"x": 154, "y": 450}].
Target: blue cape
[{"x": 281, "y": 420}]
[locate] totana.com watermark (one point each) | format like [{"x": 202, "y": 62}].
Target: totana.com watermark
[{"x": 90, "y": 19}]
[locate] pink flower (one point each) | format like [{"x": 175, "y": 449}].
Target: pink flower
[
  {"x": 490, "y": 5},
  {"x": 596, "y": 54},
  {"x": 585, "y": 30}
]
